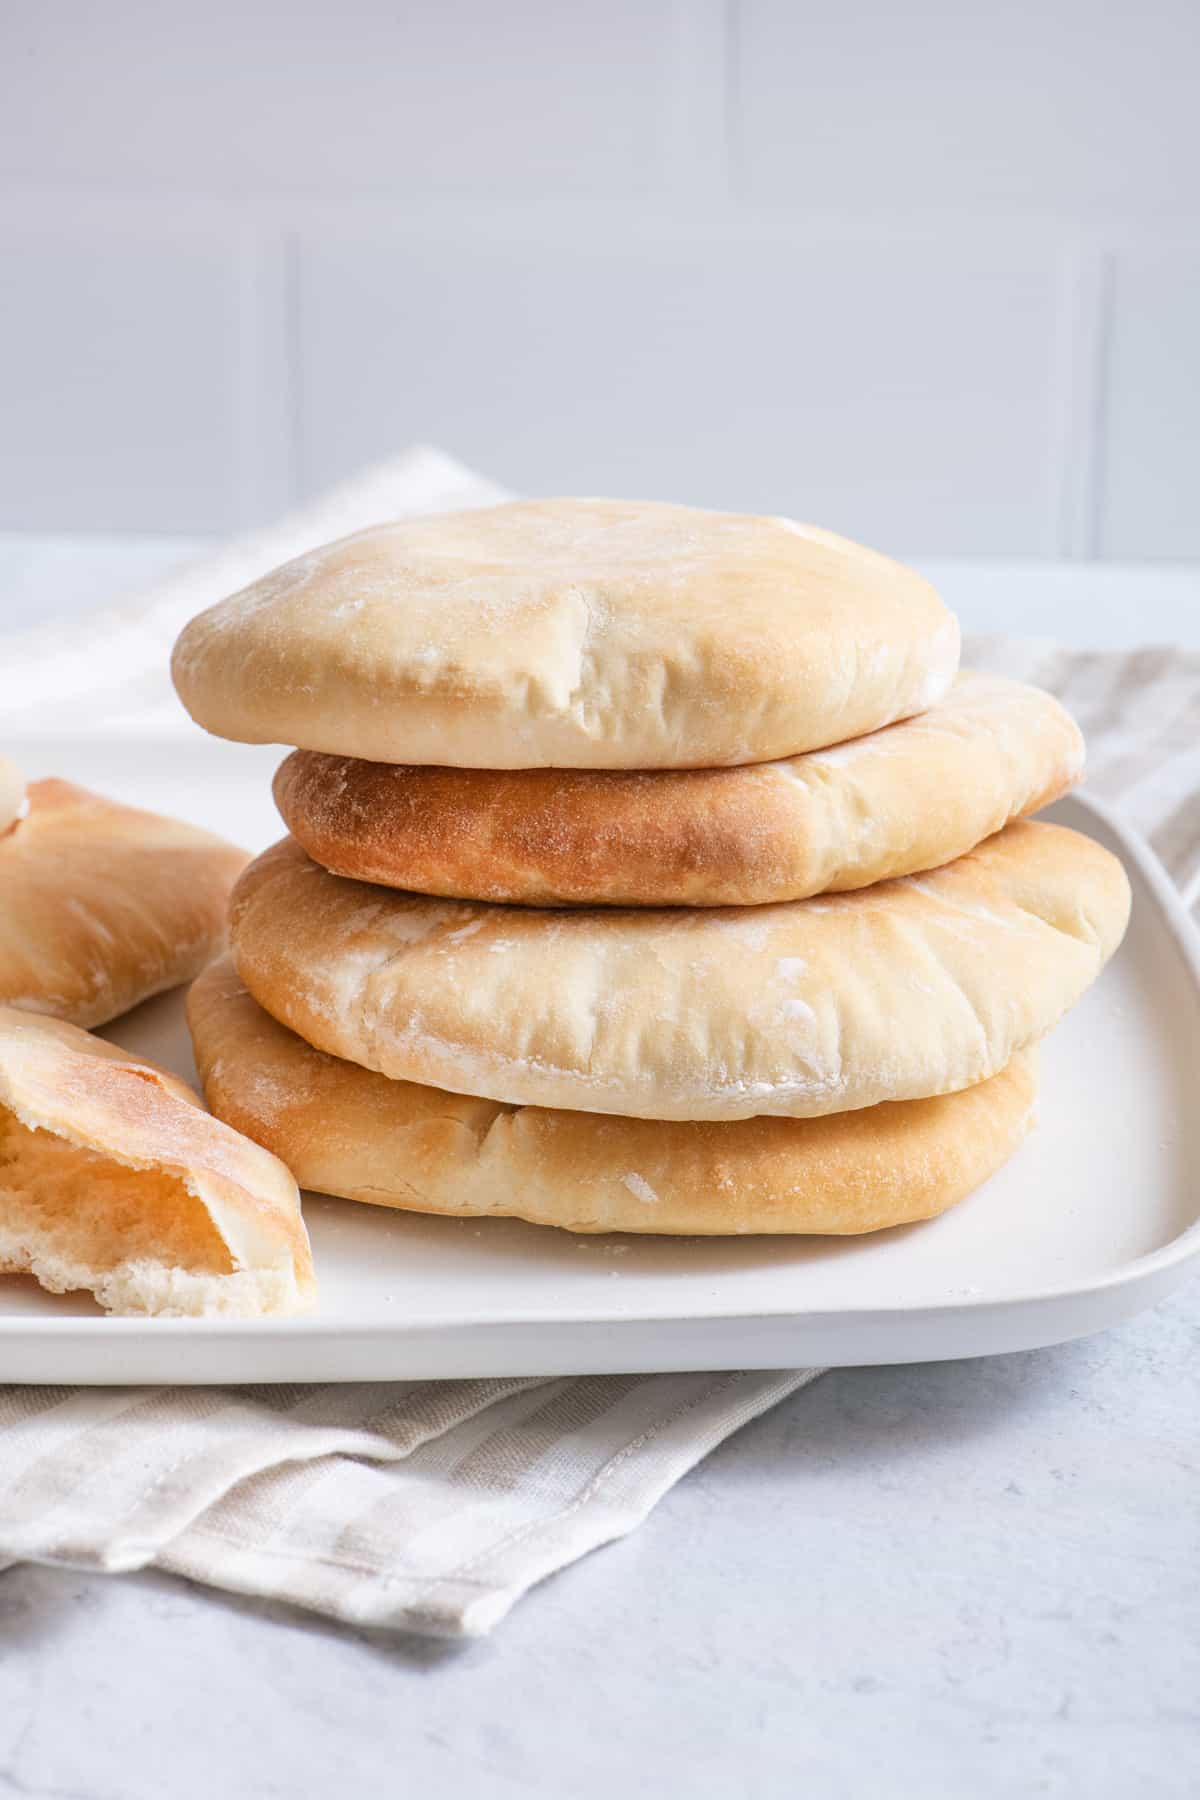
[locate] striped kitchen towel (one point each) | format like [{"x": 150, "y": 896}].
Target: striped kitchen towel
[
  {"x": 433, "y": 1506},
  {"x": 419, "y": 1506}
]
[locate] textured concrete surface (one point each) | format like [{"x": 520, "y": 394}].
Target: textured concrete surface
[{"x": 963, "y": 1578}]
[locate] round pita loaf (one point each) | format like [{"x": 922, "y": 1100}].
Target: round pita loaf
[
  {"x": 906, "y": 798},
  {"x": 12, "y": 793},
  {"x": 343, "y": 1130},
  {"x": 113, "y": 1178},
  {"x": 589, "y": 634},
  {"x": 102, "y": 905},
  {"x": 912, "y": 988}
]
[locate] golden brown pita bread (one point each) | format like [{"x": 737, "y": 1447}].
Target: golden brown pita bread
[
  {"x": 344, "y": 1130},
  {"x": 114, "y": 1179},
  {"x": 915, "y": 987},
  {"x": 595, "y": 634},
  {"x": 909, "y": 797},
  {"x": 12, "y": 793},
  {"x": 102, "y": 905}
]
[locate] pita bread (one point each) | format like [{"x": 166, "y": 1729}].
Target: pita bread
[
  {"x": 102, "y": 905},
  {"x": 113, "y": 1178},
  {"x": 911, "y": 988},
  {"x": 12, "y": 793},
  {"x": 587, "y": 634},
  {"x": 906, "y": 798},
  {"x": 346, "y": 1131}
]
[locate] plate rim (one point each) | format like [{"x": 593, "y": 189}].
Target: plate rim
[{"x": 313, "y": 1330}]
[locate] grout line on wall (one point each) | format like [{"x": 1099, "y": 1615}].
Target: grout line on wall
[
  {"x": 1105, "y": 298},
  {"x": 246, "y": 377},
  {"x": 264, "y": 472},
  {"x": 1084, "y": 322},
  {"x": 732, "y": 120},
  {"x": 293, "y": 362},
  {"x": 694, "y": 146}
]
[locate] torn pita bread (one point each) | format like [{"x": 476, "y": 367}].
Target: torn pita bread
[
  {"x": 102, "y": 905},
  {"x": 115, "y": 1180}
]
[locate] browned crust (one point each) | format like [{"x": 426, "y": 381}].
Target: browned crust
[{"x": 908, "y": 798}]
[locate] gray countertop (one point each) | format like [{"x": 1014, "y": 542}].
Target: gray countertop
[{"x": 976, "y": 1578}]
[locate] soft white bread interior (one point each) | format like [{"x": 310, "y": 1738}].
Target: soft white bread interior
[{"x": 115, "y": 1180}]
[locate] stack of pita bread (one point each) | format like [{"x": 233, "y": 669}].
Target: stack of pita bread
[{"x": 649, "y": 869}]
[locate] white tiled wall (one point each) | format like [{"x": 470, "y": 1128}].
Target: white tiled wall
[
  {"x": 375, "y": 94},
  {"x": 771, "y": 377},
  {"x": 1150, "y": 478},
  {"x": 120, "y": 400},
  {"x": 930, "y": 274},
  {"x": 1060, "y": 108}
]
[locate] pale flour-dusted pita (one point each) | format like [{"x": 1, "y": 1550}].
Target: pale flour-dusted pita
[
  {"x": 114, "y": 1179},
  {"x": 102, "y": 905},
  {"x": 572, "y": 633},
  {"x": 911, "y": 988},
  {"x": 344, "y": 1130},
  {"x": 906, "y": 798}
]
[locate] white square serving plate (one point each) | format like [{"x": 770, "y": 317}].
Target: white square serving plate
[{"x": 1097, "y": 1216}]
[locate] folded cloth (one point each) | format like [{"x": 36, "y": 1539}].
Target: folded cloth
[
  {"x": 1140, "y": 714},
  {"x": 116, "y": 675},
  {"x": 430, "y": 1506},
  {"x": 420, "y": 1506}
]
